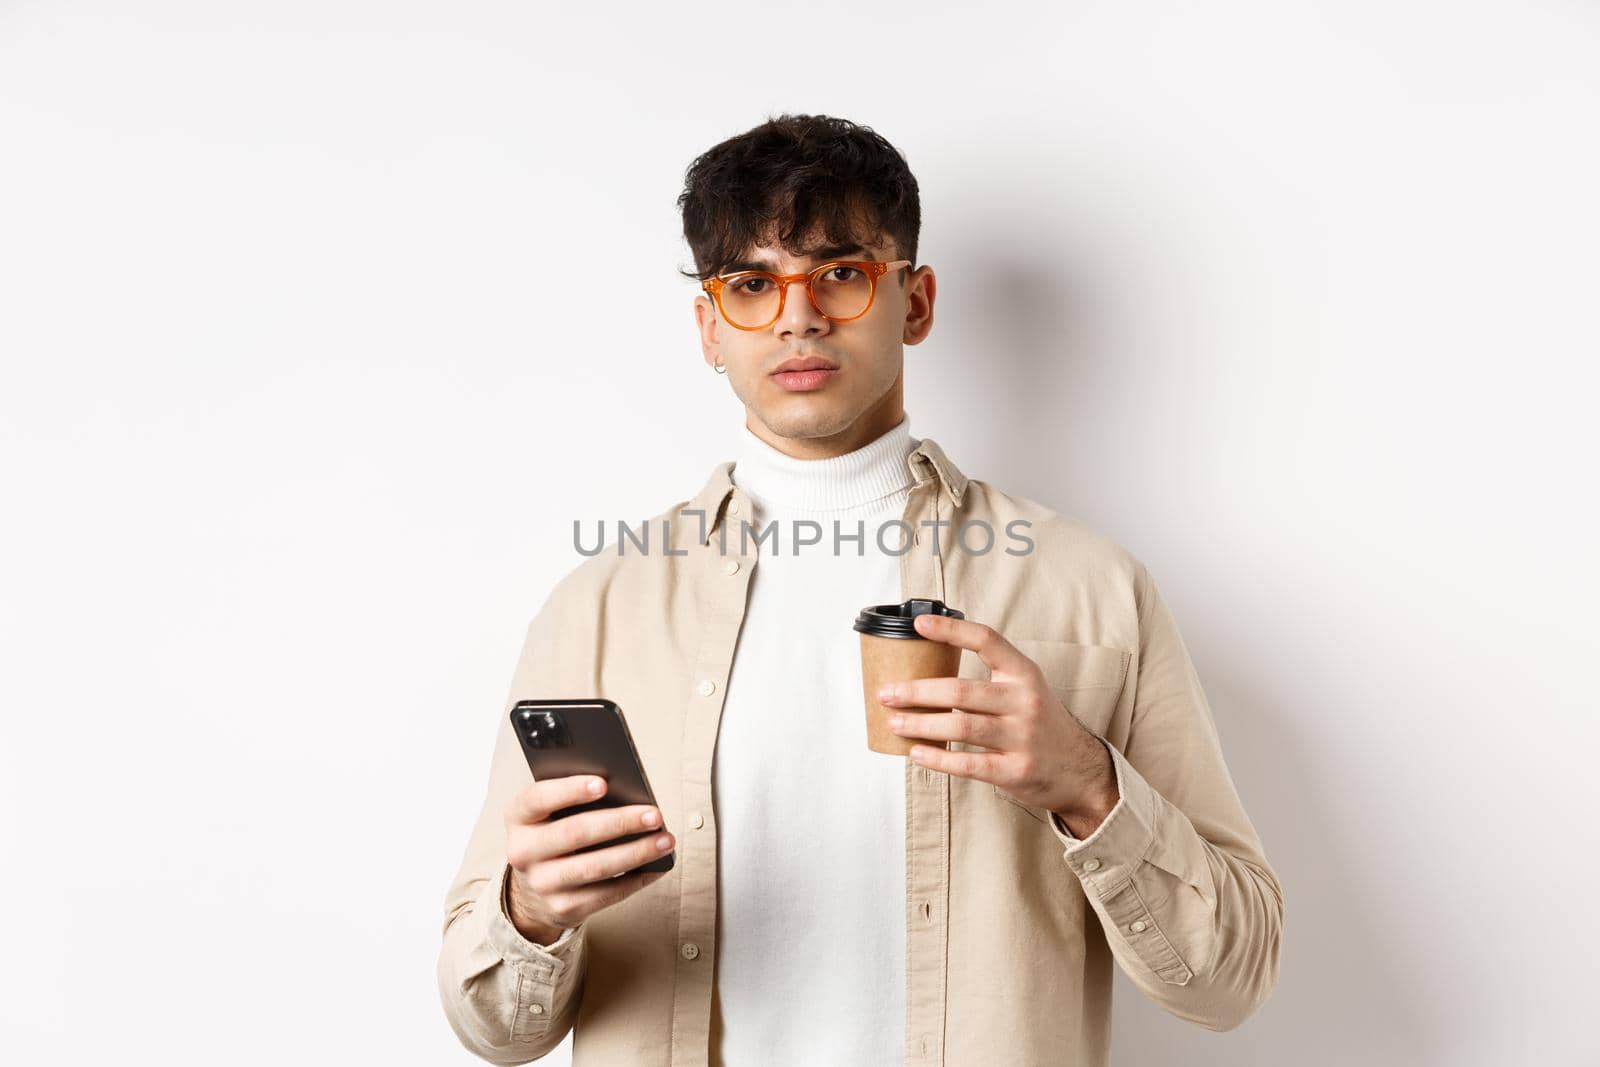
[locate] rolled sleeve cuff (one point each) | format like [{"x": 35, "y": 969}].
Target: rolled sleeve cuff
[
  {"x": 1108, "y": 857},
  {"x": 542, "y": 963}
]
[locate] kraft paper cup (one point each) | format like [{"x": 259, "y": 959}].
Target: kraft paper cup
[{"x": 893, "y": 651}]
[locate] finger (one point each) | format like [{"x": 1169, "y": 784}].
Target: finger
[
  {"x": 587, "y": 868},
  {"x": 986, "y": 730},
  {"x": 979, "y": 766},
  {"x": 968, "y": 694},
  {"x": 994, "y": 650},
  {"x": 578, "y": 904},
  {"x": 561, "y": 837},
  {"x": 545, "y": 797}
]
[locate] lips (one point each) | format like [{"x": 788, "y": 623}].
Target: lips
[{"x": 804, "y": 363}]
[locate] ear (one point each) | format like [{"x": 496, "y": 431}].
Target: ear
[
  {"x": 921, "y": 289},
  {"x": 705, "y": 318}
]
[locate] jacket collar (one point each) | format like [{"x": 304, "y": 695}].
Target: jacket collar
[{"x": 927, "y": 462}]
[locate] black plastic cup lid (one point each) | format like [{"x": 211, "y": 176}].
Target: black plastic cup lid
[{"x": 899, "y": 620}]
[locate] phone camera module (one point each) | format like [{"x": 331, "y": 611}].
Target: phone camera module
[{"x": 546, "y": 729}]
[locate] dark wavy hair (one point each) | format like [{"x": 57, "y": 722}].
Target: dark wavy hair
[{"x": 786, "y": 176}]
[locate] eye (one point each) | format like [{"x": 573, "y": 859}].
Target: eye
[
  {"x": 744, "y": 285},
  {"x": 833, "y": 275}
]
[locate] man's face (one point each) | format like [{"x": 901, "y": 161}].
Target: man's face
[{"x": 858, "y": 397}]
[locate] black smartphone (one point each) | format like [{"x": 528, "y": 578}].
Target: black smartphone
[{"x": 561, "y": 738}]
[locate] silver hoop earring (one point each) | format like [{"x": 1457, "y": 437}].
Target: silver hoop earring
[{"x": 720, "y": 369}]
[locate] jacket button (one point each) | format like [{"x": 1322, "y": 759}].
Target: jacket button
[
  {"x": 1091, "y": 865},
  {"x": 697, "y": 820},
  {"x": 537, "y": 1009},
  {"x": 707, "y": 687},
  {"x": 690, "y": 950},
  {"x": 1138, "y": 927},
  {"x": 733, "y": 507},
  {"x": 731, "y": 567}
]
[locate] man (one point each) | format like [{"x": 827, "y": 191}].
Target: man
[{"x": 829, "y": 904}]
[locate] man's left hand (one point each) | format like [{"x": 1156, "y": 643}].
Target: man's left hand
[{"x": 1034, "y": 748}]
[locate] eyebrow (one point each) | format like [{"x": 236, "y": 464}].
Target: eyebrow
[{"x": 824, "y": 254}]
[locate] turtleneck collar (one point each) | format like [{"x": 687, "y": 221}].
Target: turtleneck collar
[{"x": 872, "y": 472}]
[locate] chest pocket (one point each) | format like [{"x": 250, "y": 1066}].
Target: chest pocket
[{"x": 1087, "y": 679}]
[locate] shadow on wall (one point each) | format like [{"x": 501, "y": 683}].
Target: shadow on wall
[
  {"x": 1341, "y": 997},
  {"x": 1026, "y": 353},
  {"x": 1045, "y": 366}
]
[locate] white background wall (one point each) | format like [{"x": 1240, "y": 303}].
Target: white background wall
[{"x": 320, "y": 322}]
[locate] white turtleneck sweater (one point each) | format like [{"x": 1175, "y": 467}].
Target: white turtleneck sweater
[{"x": 811, "y": 823}]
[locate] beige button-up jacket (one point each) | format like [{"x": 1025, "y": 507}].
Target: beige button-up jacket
[{"x": 1011, "y": 924}]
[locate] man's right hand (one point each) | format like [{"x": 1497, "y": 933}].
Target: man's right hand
[{"x": 552, "y": 886}]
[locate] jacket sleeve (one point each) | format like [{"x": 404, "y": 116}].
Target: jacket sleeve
[
  {"x": 508, "y": 999},
  {"x": 1190, "y": 908}
]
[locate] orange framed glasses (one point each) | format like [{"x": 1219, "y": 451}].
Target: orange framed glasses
[{"x": 841, "y": 291}]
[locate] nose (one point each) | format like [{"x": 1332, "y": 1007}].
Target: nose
[{"x": 800, "y": 316}]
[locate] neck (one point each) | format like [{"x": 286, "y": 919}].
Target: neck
[{"x": 884, "y": 416}]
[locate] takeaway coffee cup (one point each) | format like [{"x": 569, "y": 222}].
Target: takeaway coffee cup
[{"x": 893, "y": 651}]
